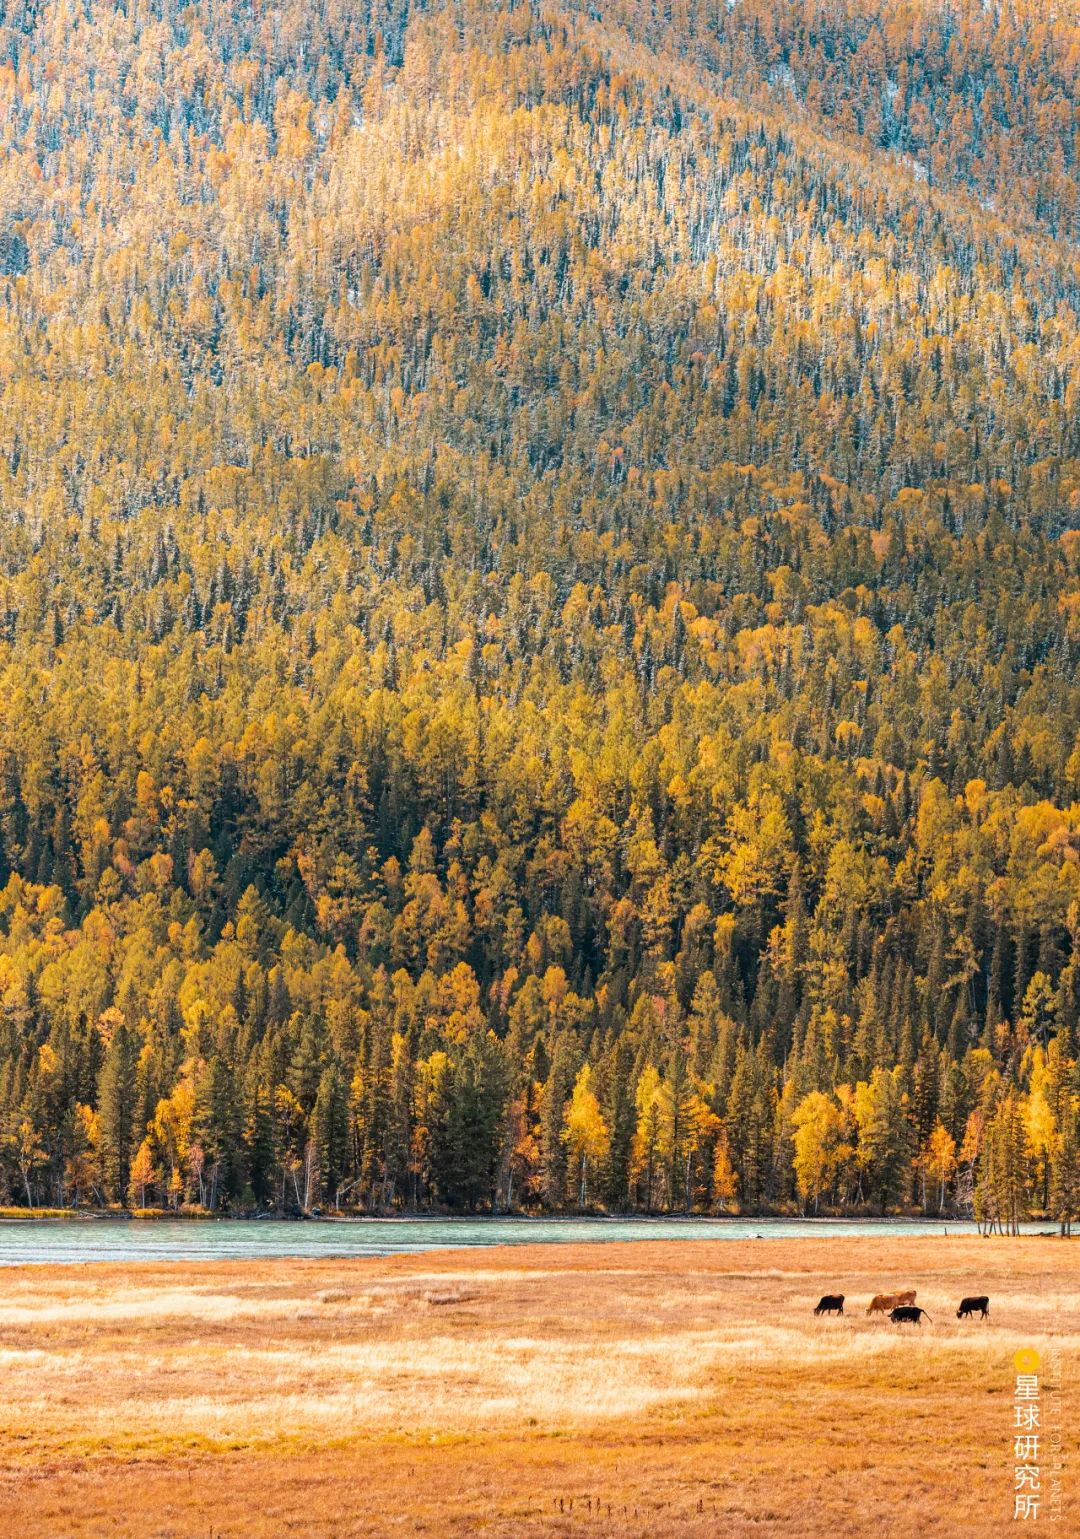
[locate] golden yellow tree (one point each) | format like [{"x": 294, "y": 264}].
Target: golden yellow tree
[{"x": 585, "y": 1132}]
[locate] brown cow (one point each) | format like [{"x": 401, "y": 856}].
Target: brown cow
[{"x": 882, "y": 1303}]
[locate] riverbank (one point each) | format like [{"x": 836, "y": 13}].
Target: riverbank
[
  {"x": 350, "y": 1215},
  {"x": 347, "y": 1216},
  {"x": 639, "y": 1389},
  {"x": 99, "y": 1215}
]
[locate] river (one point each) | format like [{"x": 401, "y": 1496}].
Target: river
[{"x": 104, "y": 1239}]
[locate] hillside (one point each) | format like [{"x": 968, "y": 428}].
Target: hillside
[{"x": 540, "y": 605}]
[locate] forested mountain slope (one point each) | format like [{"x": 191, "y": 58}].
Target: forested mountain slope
[{"x": 540, "y": 604}]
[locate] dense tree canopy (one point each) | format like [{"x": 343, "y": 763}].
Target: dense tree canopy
[{"x": 540, "y": 605}]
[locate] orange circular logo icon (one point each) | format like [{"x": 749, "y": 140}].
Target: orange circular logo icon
[{"x": 1027, "y": 1360}]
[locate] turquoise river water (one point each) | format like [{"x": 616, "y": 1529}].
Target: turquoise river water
[{"x": 106, "y": 1239}]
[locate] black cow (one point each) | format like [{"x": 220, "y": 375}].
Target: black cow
[
  {"x": 968, "y": 1307},
  {"x": 831, "y": 1304},
  {"x": 910, "y": 1313}
]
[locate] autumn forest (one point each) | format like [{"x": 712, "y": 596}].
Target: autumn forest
[{"x": 540, "y": 606}]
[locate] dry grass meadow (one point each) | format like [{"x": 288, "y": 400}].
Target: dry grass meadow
[{"x": 653, "y": 1389}]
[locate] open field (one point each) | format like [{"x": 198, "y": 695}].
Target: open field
[{"x": 675, "y": 1388}]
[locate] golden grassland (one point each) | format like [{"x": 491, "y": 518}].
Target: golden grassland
[
  {"x": 93, "y": 1215},
  {"x": 667, "y": 1388},
  {"x": 32, "y": 1213}
]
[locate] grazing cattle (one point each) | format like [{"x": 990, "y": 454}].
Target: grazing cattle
[
  {"x": 831, "y": 1303},
  {"x": 908, "y": 1313},
  {"x": 881, "y": 1303},
  {"x": 968, "y": 1307}
]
